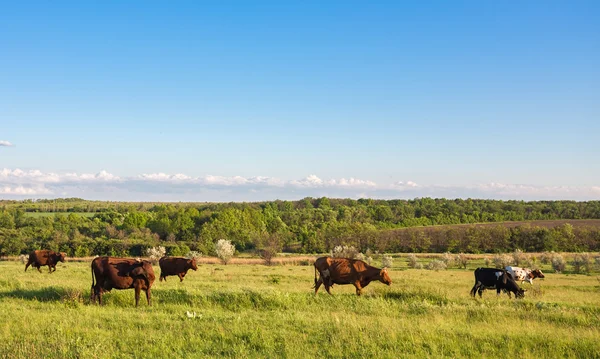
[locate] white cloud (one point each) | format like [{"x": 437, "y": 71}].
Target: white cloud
[
  {"x": 5, "y": 144},
  {"x": 24, "y": 191},
  {"x": 17, "y": 183}
]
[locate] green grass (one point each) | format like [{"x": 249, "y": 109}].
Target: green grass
[{"x": 257, "y": 311}]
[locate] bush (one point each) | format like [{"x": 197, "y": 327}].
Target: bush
[
  {"x": 270, "y": 246},
  {"x": 24, "y": 258},
  {"x": 156, "y": 253},
  {"x": 437, "y": 265},
  {"x": 546, "y": 257},
  {"x": 387, "y": 261},
  {"x": 225, "y": 250},
  {"x": 461, "y": 260},
  {"x": 412, "y": 260},
  {"x": 518, "y": 257},
  {"x": 558, "y": 263},
  {"x": 487, "y": 261},
  {"x": 502, "y": 260},
  {"x": 448, "y": 259},
  {"x": 344, "y": 252},
  {"x": 582, "y": 263},
  {"x": 193, "y": 254}
]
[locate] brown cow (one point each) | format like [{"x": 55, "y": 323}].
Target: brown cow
[
  {"x": 45, "y": 257},
  {"x": 176, "y": 266},
  {"x": 121, "y": 273},
  {"x": 347, "y": 271}
]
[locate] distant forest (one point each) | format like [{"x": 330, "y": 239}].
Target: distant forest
[{"x": 311, "y": 225}]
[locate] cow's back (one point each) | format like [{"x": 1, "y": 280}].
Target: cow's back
[
  {"x": 40, "y": 256},
  {"x": 172, "y": 265}
]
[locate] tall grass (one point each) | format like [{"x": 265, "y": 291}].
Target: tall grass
[{"x": 256, "y": 311}]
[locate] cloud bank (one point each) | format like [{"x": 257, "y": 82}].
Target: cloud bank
[
  {"x": 5, "y": 144},
  {"x": 18, "y": 184}
]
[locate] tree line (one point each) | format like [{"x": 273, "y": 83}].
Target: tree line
[{"x": 310, "y": 225}]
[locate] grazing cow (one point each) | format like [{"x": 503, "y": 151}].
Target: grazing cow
[
  {"x": 176, "y": 266},
  {"x": 121, "y": 273},
  {"x": 347, "y": 271},
  {"x": 499, "y": 279},
  {"x": 524, "y": 274},
  {"x": 45, "y": 257}
]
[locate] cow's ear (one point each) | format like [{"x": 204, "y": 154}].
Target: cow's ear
[{"x": 524, "y": 290}]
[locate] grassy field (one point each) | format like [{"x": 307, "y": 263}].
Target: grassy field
[{"x": 257, "y": 311}]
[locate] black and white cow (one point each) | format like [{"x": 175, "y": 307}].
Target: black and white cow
[
  {"x": 524, "y": 274},
  {"x": 499, "y": 279}
]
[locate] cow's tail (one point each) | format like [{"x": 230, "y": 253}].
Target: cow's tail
[
  {"x": 93, "y": 282},
  {"x": 504, "y": 276},
  {"x": 315, "y": 277}
]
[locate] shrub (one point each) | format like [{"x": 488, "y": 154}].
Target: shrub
[
  {"x": 270, "y": 246},
  {"x": 448, "y": 259},
  {"x": 437, "y": 265},
  {"x": 344, "y": 252},
  {"x": 156, "y": 253},
  {"x": 193, "y": 254},
  {"x": 487, "y": 261},
  {"x": 518, "y": 257},
  {"x": 412, "y": 260},
  {"x": 546, "y": 257},
  {"x": 582, "y": 263},
  {"x": 558, "y": 263},
  {"x": 225, "y": 250},
  {"x": 387, "y": 261},
  {"x": 502, "y": 260},
  {"x": 24, "y": 258},
  {"x": 461, "y": 260}
]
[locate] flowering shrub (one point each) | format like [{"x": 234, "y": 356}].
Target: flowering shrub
[
  {"x": 387, "y": 261},
  {"x": 193, "y": 254},
  {"x": 225, "y": 250},
  {"x": 345, "y": 252},
  {"x": 24, "y": 258},
  {"x": 156, "y": 253}
]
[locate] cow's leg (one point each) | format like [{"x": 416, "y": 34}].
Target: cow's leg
[
  {"x": 162, "y": 277},
  {"x": 27, "y": 265},
  {"x": 327, "y": 286},
  {"x": 318, "y": 285},
  {"x": 480, "y": 291},
  {"x": 358, "y": 288},
  {"x": 137, "y": 295},
  {"x": 180, "y": 275},
  {"x": 38, "y": 268},
  {"x": 474, "y": 290},
  {"x": 100, "y": 296},
  {"x": 149, "y": 296}
]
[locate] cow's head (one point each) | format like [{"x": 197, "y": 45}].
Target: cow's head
[
  {"x": 192, "y": 263},
  {"x": 520, "y": 293},
  {"x": 384, "y": 277},
  {"x": 61, "y": 256},
  {"x": 537, "y": 273}
]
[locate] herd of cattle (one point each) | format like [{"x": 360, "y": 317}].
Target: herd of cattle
[{"x": 124, "y": 273}]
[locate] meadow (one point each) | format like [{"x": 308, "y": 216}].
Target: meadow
[{"x": 256, "y": 311}]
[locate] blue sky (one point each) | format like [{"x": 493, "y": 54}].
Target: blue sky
[{"x": 263, "y": 100}]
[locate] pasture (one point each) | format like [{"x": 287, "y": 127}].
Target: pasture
[{"x": 243, "y": 310}]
